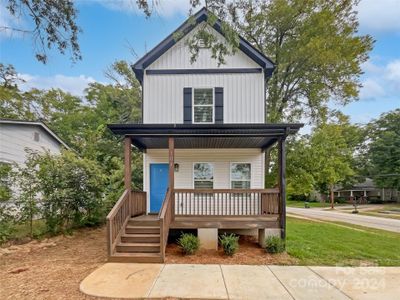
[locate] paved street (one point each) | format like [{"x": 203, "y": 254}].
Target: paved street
[
  {"x": 327, "y": 215},
  {"x": 119, "y": 280}
]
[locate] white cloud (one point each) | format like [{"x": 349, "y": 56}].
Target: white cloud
[
  {"x": 72, "y": 84},
  {"x": 164, "y": 8},
  {"x": 380, "y": 81},
  {"x": 371, "y": 68},
  {"x": 371, "y": 89},
  {"x": 379, "y": 15},
  {"x": 393, "y": 72}
]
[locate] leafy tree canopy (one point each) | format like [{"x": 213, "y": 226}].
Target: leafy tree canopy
[
  {"x": 53, "y": 24},
  {"x": 323, "y": 159},
  {"x": 382, "y": 155}
]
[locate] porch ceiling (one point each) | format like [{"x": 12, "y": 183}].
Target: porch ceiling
[{"x": 155, "y": 136}]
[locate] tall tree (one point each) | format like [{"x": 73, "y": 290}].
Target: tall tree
[
  {"x": 383, "y": 150},
  {"x": 52, "y": 24},
  {"x": 325, "y": 158}
]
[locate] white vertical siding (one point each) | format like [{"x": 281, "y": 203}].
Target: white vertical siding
[
  {"x": 220, "y": 158},
  {"x": 14, "y": 139},
  {"x": 243, "y": 96},
  {"x": 163, "y": 94},
  {"x": 178, "y": 56}
]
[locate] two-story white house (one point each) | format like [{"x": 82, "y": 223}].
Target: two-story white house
[{"x": 203, "y": 137}]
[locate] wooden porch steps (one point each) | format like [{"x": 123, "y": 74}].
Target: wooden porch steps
[
  {"x": 142, "y": 229},
  {"x": 136, "y": 257},
  {"x": 140, "y": 238},
  {"x": 139, "y": 241}
]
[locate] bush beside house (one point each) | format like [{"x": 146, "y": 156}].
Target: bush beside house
[{"x": 65, "y": 191}]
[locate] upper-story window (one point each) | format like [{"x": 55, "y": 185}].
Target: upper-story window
[{"x": 203, "y": 105}]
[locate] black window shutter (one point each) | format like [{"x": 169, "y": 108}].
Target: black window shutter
[
  {"x": 187, "y": 105},
  {"x": 219, "y": 105}
]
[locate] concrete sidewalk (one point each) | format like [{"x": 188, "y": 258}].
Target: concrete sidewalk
[{"x": 117, "y": 280}]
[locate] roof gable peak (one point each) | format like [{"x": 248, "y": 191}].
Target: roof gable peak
[{"x": 199, "y": 17}]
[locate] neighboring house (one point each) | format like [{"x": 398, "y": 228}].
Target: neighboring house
[
  {"x": 16, "y": 136},
  {"x": 204, "y": 138},
  {"x": 367, "y": 191}
]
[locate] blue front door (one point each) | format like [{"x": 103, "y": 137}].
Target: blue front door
[{"x": 158, "y": 185}]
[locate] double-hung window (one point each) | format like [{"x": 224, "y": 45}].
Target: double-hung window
[
  {"x": 203, "y": 175},
  {"x": 203, "y": 105},
  {"x": 240, "y": 175}
]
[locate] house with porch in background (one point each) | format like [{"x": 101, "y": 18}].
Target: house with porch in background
[
  {"x": 203, "y": 136},
  {"x": 366, "y": 192}
]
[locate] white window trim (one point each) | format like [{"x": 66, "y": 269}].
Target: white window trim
[
  {"x": 205, "y": 105},
  {"x": 202, "y": 162},
  {"x": 230, "y": 172}
]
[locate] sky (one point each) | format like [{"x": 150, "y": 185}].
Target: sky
[{"x": 112, "y": 28}]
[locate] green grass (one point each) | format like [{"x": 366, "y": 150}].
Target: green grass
[
  {"x": 316, "y": 243},
  {"x": 22, "y": 231},
  {"x": 294, "y": 203}
]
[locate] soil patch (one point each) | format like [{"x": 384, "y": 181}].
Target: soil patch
[
  {"x": 249, "y": 253},
  {"x": 52, "y": 268}
]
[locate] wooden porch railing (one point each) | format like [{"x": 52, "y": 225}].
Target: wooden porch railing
[
  {"x": 166, "y": 216},
  {"x": 128, "y": 205},
  {"x": 226, "y": 202}
]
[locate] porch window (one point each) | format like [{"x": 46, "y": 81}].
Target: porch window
[
  {"x": 240, "y": 175},
  {"x": 203, "y": 175},
  {"x": 203, "y": 106}
]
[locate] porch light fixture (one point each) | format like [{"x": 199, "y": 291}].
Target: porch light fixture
[{"x": 176, "y": 167}]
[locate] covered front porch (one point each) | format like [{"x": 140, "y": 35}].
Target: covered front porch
[{"x": 129, "y": 221}]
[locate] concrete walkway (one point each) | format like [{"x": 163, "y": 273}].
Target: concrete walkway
[
  {"x": 328, "y": 215},
  {"x": 117, "y": 280}
]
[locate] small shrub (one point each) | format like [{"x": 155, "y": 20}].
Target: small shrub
[
  {"x": 230, "y": 243},
  {"x": 274, "y": 244},
  {"x": 340, "y": 200},
  {"x": 6, "y": 224},
  {"x": 189, "y": 243}
]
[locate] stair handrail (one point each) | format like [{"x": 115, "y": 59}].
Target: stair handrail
[
  {"x": 116, "y": 220},
  {"x": 165, "y": 215}
]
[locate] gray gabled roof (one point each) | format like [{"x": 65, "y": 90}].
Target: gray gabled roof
[
  {"x": 36, "y": 123},
  {"x": 185, "y": 28}
]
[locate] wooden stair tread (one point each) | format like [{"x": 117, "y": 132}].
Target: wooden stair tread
[
  {"x": 137, "y": 254},
  {"x": 132, "y": 257},
  {"x": 142, "y": 227},
  {"x": 139, "y": 244},
  {"x": 144, "y": 235}
]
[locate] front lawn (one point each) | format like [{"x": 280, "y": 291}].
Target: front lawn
[
  {"x": 295, "y": 203},
  {"x": 318, "y": 243}
]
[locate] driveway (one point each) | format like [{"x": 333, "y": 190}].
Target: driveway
[
  {"x": 155, "y": 281},
  {"x": 328, "y": 215}
]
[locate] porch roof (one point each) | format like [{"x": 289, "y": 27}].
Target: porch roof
[{"x": 155, "y": 136}]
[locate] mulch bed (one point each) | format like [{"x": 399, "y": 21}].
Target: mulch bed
[
  {"x": 249, "y": 253},
  {"x": 53, "y": 268}
]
